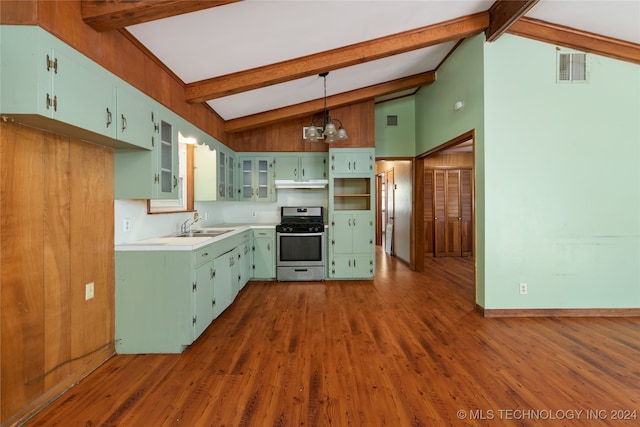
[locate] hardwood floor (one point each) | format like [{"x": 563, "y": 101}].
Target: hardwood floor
[{"x": 404, "y": 350}]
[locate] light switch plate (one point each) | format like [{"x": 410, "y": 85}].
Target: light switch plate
[{"x": 88, "y": 291}]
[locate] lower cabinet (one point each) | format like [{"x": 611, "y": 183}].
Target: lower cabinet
[
  {"x": 244, "y": 259},
  {"x": 263, "y": 254},
  {"x": 351, "y": 266},
  {"x": 223, "y": 282},
  {"x": 351, "y": 245},
  {"x": 166, "y": 299}
]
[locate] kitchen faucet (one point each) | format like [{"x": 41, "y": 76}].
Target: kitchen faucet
[{"x": 185, "y": 225}]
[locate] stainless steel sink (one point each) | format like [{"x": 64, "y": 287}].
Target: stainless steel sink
[{"x": 201, "y": 233}]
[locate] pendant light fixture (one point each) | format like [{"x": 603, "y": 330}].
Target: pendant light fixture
[{"x": 323, "y": 127}]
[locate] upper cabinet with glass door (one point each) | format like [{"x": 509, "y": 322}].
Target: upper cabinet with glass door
[{"x": 256, "y": 178}]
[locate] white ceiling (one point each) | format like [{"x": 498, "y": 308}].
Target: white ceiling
[{"x": 252, "y": 33}]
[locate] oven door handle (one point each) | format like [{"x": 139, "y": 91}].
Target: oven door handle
[{"x": 315, "y": 233}]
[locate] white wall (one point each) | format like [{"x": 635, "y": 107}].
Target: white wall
[
  {"x": 145, "y": 226},
  {"x": 403, "y": 177}
]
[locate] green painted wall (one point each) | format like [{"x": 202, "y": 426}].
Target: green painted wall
[
  {"x": 400, "y": 140},
  {"x": 562, "y": 180},
  {"x": 460, "y": 78}
]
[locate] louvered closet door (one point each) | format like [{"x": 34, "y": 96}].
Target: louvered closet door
[
  {"x": 453, "y": 247},
  {"x": 440, "y": 197},
  {"x": 466, "y": 212},
  {"x": 428, "y": 213}
]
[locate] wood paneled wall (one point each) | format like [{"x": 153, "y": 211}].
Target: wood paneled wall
[
  {"x": 457, "y": 160},
  {"x": 115, "y": 52},
  {"x": 358, "y": 120},
  {"x": 56, "y": 235}
]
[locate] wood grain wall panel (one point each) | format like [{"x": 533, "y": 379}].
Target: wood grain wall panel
[
  {"x": 459, "y": 160},
  {"x": 22, "y": 280},
  {"x": 57, "y": 280},
  {"x": 91, "y": 251},
  {"x": 358, "y": 120},
  {"x": 19, "y": 12},
  {"x": 56, "y": 235}
]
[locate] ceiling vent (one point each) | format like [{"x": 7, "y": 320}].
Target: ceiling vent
[{"x": 572, "y": 67}]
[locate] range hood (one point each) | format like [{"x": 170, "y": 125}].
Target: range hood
[{"x": 290, "y": 183}]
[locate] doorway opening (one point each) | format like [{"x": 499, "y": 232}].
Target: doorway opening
[{"x": 444, "y": 205}]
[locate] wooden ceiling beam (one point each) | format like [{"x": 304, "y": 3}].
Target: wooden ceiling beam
[
  {"x": 105, "y": 15},
  {"x": 334, "y": 101},
  {"x": 577, "y": 39},
  {"x": 358, "y": 53},
  {"x": 503, "y": 14}
]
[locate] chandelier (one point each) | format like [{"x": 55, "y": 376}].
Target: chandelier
[{"x": 323, "y": 127}]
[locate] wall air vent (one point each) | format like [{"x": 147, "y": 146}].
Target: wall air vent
[
  {"x": 392, "y": 120},
  {"x": 572, "y": 67}
]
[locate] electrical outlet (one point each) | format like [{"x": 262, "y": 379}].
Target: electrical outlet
[
  {"x": 523, "y": 288},
  {"x": 126, "y": 225},
  {"x": 88, "y": 291},
  {"x": 254, "y": 214},
  {"x": 205, "y": 215}
]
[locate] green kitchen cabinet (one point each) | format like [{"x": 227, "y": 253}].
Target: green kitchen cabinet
[
  {"x": 47, "y": 84},
  {"x": 263, "y": 254},
  {"x": 153, "y": 174},
  {"x": 351, "y": 266},
  {"x": 255, "y": 179},
  {"x": 204, "y": 295},
  {"x": 351, "y": 237},
  {"x": 351, "y": 232},
  {"x": 205, "y": 178},
  {"x": 163, "y": 300},
  {"x": 134, "y": 117},
  {"x": 244, "y": 259},
  {"x": 301, "y": 166},
  {"x": 225, "y": 174},
  {"x": 357, "y": 161},
  {"x": 351, "y": 245},
  {"x": 223, "y": 282}
]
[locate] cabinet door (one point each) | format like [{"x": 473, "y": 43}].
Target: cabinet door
[
  {"x": 134, "y": 118},
  {"x": 83, "y": 94},
  {"x": 246, "y": 179},
  {"x": 313, "y": 167},
  {"x": 263, "y": 253},
  {"x": 362, "y": 231},
  {"x": 222, "y": 284},
  {"x": 204, "y": 174},
  {"x": 222, "y": 174},
  {"x": 168, "y": 161},
  {"x": 363, "y": 266},
  {"x": 341, "y": 267},
  {"x": 231, "y": 195},
  {"x": 263, "y": 175},
  {"x": 341, "y": 162},
  {"x": 203, "y": 298},
  {"x": 244, "y": 262},
  {"x": 362, "y": 161},
  {"x": 342, "y": 233},
  {"x": 287, "y": 167},
  {"x": 234, "y": 263}
]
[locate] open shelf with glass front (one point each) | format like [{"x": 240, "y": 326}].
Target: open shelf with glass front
[{"x": 351, "y": 194}]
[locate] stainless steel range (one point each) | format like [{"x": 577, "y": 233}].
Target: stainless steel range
[{"x": 300, "y": 244}]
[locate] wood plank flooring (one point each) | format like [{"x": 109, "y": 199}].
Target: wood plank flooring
[{"x": 406, "y": 349}]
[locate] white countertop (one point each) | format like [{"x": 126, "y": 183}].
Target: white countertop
[{"x": 174, "y": 243}]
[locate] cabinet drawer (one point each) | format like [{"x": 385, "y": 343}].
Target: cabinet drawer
[
  {"x": 204, "y": 255},
  {"x": 264, "y": 232},
  {"x": 244, "y": 237}
]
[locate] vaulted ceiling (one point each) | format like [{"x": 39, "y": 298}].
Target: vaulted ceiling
[{"x": 256, "y": 62}]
